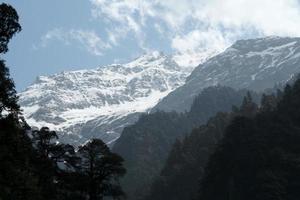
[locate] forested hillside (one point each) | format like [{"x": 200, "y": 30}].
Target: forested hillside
[
  {"x": 251, "y": 152},
  {"x": 146, "y": 145},
  {"x": 259, "y": 155},
  {"x": 179, "y": 178}
]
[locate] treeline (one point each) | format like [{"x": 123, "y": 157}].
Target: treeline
[
  {"x": 33, "y": 165},
  {"x": 251, "y": 152},
  {"x": 185, "y": 165},
  {"x": 247, "y": 151},
  {"x": 145, "y": 146},
  {"x": 259, "y": 156}
]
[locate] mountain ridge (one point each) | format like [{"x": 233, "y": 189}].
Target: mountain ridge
[
  {"x": 254, "y": 64},
  {"x": 100, "y": 101}
]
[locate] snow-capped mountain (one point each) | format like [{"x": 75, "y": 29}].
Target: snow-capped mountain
[
  {"x": 99, "y": 103},
  {"x": 254, "y": 64}
]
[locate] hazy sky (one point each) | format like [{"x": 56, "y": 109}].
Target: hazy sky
[{"x": 75, "y": 34}]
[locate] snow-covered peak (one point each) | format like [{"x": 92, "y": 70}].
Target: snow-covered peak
[
  {"x": 111, "y": 92},
  {"x": 254, "y": 64},
  {"x": 154, "y": 59},
  {"x": 150, "y": 56}
]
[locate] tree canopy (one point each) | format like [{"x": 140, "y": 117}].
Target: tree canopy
[{"x": 9, "y": 25}]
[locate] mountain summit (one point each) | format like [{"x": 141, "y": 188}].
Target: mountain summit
[
  {"x": 100, "y": 102},
  {"x": 254, "y": 64}
]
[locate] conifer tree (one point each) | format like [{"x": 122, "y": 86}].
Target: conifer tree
[
  {"x": 102, "y": 169},
  {"x": 9, "y": 26},
  {"x": 258, "y": 159},
  {"x": 17, "y": 174},
  {"x": 248, "y": 107}
]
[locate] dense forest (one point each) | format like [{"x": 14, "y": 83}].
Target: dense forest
[
  {"x": 231, "y": 145},
  {"x": 259, "y": 156},
  {"x": 251, "y": 152},
  {"x": 179, "y": 178},
  {"x": 145, "y": 145}
]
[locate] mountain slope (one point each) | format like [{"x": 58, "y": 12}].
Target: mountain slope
[
  {"x": 185, "y": 164},
  {"x": 254, "y": 64},
  {"x": 258, "y": 158},
  {"x": 145, "y": 145},
  {"x": 100, "y": 102}
]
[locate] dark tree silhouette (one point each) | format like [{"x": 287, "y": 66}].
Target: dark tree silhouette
[
  {"x": 258, "y": 159},
  {"x": 17, "y": 175},
  {"x": 248, "y": 107},
  {"x": 18, "y": 180},
  {"x": 9, "y": 25},
  {"x": 8, "y": 96},
  {"x": 44, "y": 162},
  {"x": 43, "y": 139},
  {"x": 102, "y": 169}
]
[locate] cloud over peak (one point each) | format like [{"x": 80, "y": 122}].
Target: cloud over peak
[
  {"x": 195, "y": 25},
  {"x": 88, "y": 40},
  {"x": 187, "y": 26}
]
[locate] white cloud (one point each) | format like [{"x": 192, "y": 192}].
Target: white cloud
[
  {"x": 124, "y": 19},
  {"x": 197, "y": 25},
  {"x": 92, "y": 42},
  {"x": 278, "y": 17},
  {"x": 87, "y": 39},
  {"x": 192, "y": 27},
  {"x": 196, "y": 46},
  {"x": 196, "y": 38}
]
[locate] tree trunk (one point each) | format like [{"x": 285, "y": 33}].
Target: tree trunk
[{"x": 93, "y": 191}]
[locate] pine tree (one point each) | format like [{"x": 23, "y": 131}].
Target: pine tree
[
  {"x": 102, "y": 169},
  {"x": 45, "y": 163},
  {"x": 248, "y": 107},
  {"x": 18, "y": 179},
  {"x": 43, "y": 139},
  {"x": 9, "y": 26},
  {"x": 268, "y": 103}
]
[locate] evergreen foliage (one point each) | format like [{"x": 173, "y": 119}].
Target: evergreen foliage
[
  {"x": 145, "y": 145},
  {"x": 259, "y": 156},
  {"x": 9, "y": 26},
  {"x": 17, "y": 173},
  {"x": 18, "y": 179},
  {"x": 187, "y": 160},
  {"x": 102, "y": 169},
  {"x": 8, "y": 96}
]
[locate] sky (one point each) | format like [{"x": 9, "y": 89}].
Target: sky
[{"x": 62, "y": 35}]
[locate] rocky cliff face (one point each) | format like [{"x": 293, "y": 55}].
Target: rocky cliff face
[
  {"x": 254, "y": 64},
  {"x": 99, "y": 103}
]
